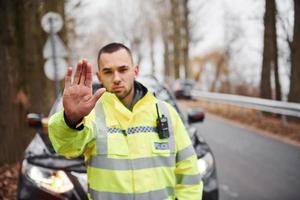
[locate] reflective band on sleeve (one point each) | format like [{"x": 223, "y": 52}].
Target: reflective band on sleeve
[
  {"x": 103, "y": 162},
  {"x": 164, "y": 110},
  {"x": 101, "y": 133},
  {"x": 185, "y": 153},
  {"x": 156, "y": 194},
  {"x": 188, "y": 179}
]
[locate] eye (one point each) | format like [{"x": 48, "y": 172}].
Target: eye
[
  {"x": 107, "y": 72},
  {"x": 123, "y": 69}
]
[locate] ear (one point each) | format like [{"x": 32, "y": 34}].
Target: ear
[{"x": 136, "y": 71}]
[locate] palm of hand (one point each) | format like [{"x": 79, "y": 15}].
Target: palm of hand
[{"x": 78, "y": 100}]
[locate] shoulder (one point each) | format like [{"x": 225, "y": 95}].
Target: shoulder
[{"x": 171, "y": 110}]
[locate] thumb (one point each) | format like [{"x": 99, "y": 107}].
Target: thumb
[{"x": 98, "y": 94}]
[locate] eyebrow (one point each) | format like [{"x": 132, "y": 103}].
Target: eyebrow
[
  {"x": 106, "y": 69},
  {"x": 123, "y": 66},
  {"x": 109, "y": 68}
]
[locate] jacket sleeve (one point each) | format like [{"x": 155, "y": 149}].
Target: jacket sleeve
[
  {"x": 188, "y": 182},
  {"x": 67, "y": 141}
]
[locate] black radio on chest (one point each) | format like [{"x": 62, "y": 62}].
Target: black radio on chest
[{"x": 162, "y": 126}]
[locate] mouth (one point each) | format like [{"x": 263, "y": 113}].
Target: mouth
[{"x": 118, "y": 88}]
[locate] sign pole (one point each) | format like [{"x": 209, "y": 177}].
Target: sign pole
[
  {"x": 57, "y": 84},
  {"x": 54, "y": 50}
]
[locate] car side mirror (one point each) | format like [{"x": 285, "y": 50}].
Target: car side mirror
[
  {"x": 34, "y": 120},
  {"x": 195, "y": 115}
]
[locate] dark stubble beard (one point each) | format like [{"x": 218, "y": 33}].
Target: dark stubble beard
[{"x": 122, "y": 96}]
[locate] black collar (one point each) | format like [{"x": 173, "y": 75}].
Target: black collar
[{"x": 139, "y": 92}]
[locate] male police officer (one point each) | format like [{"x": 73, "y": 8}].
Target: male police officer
[{"x": 131, "y": 151}]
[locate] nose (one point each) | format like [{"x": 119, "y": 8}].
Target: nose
[{"x": 117, "y": 78}]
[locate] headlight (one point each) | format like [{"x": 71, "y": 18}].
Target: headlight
[
  {"x": 52, "y": 180},
  {"x": 205, "y": 164}
]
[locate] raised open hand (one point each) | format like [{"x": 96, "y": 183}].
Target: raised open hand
[{"x": 78, "y": 99}]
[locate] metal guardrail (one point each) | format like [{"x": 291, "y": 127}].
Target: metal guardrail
[{"x": 277, "y": 107}]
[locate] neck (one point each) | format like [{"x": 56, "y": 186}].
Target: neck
[{"x": 127, "y": 101}]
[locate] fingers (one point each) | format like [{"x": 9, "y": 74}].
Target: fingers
[
  {"x": 83, "y": 72},
  {"x": 78, "y": 72},
  {"x": 89, "y": 75},
  {"x": 97, "y": 95},
  {"x": 68, "y": 77}
]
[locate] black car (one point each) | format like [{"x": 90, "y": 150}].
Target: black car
[
  {"x": 182, "y": 88},
  {"x": 44, "y": 175}
]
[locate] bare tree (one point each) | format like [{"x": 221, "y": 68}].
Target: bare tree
[
  {"x": 164, "y": 16},
  {"x": 176, "y": 36},
  {"x": 186, "y": 38},
  {"x": 177, "y": 41},
  {"x": 131, "y": 22},
  {"x": 152, "y": 25},
  {"x": 294, "y": 93},
  {"x": 25, "y": 87},
  {"x": 233, "y": 35},
  {"x": 270, "y": 60},
  {"x": 216, "y": 62}
]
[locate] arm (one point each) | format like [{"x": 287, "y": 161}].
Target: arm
[
  {"x": 189, "y": 185},
  {"x": 67, "y": 141},
  {"x": 78, "y": 102}
]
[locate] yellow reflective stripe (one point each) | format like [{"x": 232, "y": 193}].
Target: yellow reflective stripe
[
  {"x": 100, "y": 129},
  {"x": 101, "y": 161},
  {"x": 185, "y": 179},
  {"x": 156, "y": 194},
  {"x": 185, "y": 153}
]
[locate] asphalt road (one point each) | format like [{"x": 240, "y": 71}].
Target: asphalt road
[{"x": 251, "y": 165}]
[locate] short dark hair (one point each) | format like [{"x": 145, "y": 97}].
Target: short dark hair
[{"x": 111, "y": 48}]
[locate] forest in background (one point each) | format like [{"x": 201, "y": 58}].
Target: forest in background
[{"x": 26, "y": 89}]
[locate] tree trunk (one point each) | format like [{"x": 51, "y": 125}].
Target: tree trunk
[
  {"x": 152, "y": 59},
  {"x": 11, "y": 107},
  {"x": 275, "y": 53},
  {"x": 167, "y": 72},
  {"x": 25, "y": 87},
  {"x": 186, "y": 39},
  {"x": 294, "y": 93},
  {"x": 175, "y": 17},
  {"x": 164, "y": 13},
  {"x": 269, "y": 53}
]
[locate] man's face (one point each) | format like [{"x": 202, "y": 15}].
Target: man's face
[{"x": 117, "y": 72}]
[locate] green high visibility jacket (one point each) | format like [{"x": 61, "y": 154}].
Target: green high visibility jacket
[{"x": 126, "y": 159}]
